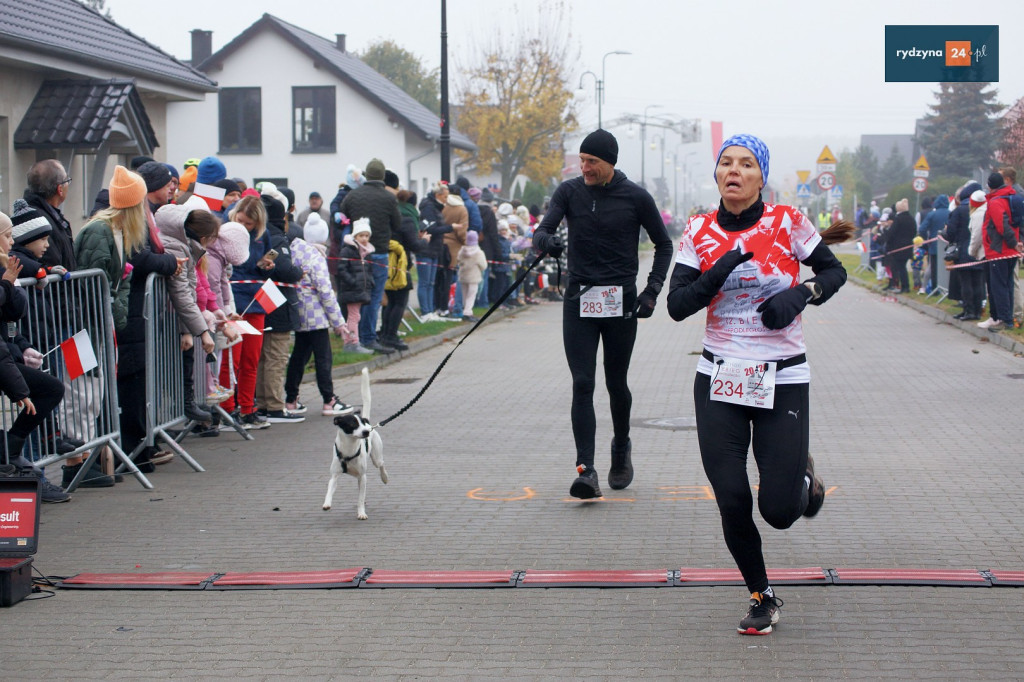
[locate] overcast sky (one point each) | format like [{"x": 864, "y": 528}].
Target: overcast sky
[{"x": 798, "y": 74}]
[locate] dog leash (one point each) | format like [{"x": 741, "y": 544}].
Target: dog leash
[{"x": 494, "y": 306}]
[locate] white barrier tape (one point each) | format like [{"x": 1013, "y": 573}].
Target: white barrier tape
[
  {"x": 980, "y": 262},
  {"x": 912, "y": 246}
]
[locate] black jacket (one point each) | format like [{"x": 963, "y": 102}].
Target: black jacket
[
  {"x": 604, "y": 231},
  {"x": 131, "y": 341},
  {"x": 901, "y": 235},
  {"x": 375, "y": 202},
  {"x": 430, "y": 213},
  {"x": 286, "y": 317},
  {"x": 62, "y": 242},
  {"x": 355, "y": 280},
  {"x": 489, "y": 233}
]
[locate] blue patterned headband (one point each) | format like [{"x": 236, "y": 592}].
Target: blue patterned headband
[{"x": 758, "y": 148}]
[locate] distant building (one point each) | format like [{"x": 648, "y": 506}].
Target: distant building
[
  {"x": 297, "y": 108},
  {"x": 81, "y": 89}
]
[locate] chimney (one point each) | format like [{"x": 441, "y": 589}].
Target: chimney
[
  {"x": 340, "y": 44},
  {"x": 202, "y": 46}
]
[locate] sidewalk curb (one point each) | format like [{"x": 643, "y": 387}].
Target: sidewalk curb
[{"x": 995, "y": 338}]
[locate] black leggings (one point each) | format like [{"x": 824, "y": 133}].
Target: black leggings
[
  {"x": 391, "y": 314},
  {"x": 780, "y": 437},
  {"x": 580, "y": 337},
  {"x": 316, "y": 342}
]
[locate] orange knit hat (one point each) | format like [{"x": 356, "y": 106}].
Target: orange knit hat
[
  {"x": 127, "y": 189},
  {"x": 187, "y": 178}
]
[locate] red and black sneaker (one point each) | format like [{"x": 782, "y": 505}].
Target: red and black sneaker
[
  {"x": 761, "y": 616},
  {"x": 586, "y": 486}
]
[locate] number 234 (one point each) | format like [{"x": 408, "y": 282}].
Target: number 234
[{"x": 727, "y": 388}]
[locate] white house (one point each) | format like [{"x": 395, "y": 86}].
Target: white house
[
  {"x": 77, "y": 87},
  {"x": 296, "y": 108}
]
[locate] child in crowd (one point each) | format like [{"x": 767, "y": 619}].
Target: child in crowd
[
  {"x": 319, "y": 313},
  {"x": 472, "y": 264},
  {"x": 502, "y": 267},
  {"x": 356, "y": 282},
  {"x": 231, "y": 248},
  {"x": 917, "y": 264}
]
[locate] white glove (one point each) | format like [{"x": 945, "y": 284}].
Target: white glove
[{"x": 32, "y": 358}]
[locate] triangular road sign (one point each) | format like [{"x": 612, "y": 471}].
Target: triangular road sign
[{"x": 827, "y": 156}]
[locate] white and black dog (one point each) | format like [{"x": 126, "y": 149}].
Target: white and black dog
[{"x": 356, "y": 444}]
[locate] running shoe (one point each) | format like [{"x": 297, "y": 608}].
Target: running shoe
[
  {"x": 621, "y": 473},
  {"x": 761, "y": 616},
  {"x": 816, "y": 493},
  {"x": 586, "y": 485},
  {"x": 296, "y": 407}
]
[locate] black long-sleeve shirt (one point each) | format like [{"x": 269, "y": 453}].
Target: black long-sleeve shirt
[{"x": 604, "y": 231}]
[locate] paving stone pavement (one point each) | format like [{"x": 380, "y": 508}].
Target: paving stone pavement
[{"x": 915, "y": 428}]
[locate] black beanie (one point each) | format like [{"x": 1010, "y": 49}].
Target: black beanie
[
  {"x": 154, "y": 174},
  {"x": 463, "y": 182},
  {"x": 995, "y": 181},
  {"x": 601, "y": 144},
  {"x": 275, "y": 211},
  {"x": 138, "y": 161},
  {"x": 390, "y": 179}
]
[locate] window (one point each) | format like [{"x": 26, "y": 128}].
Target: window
[
  {"x": 240, "y": 121},
  {"x": 313, "y": 119}
]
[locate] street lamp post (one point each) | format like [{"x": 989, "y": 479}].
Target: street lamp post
[
  {"x": 599, "y": 82},
  {"x": 643, "y": 145}
]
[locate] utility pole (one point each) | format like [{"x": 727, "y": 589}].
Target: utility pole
[{"x": 446, "y": 137}]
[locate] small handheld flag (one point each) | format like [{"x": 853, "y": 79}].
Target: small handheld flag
[
  {"x": 270, "y": 297},
  {"x": 79, "y": 357},
  {"x": 211, "y": 194}
]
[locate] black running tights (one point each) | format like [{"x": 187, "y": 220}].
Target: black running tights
[
  {"x": 780, "y": 439},
  {"x": 580, "y": 336}
]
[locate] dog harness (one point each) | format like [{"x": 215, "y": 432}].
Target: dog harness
[{"x": 363, "y": 449}]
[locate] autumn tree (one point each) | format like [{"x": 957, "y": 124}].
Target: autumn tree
[
  {"x": 962, "y": 133},
  {"x": 1011, "y": 152},
  {"x": 405, "y": 70},
  {"x": 517, "y": 102}
]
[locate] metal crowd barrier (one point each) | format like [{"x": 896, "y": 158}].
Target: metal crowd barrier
[
  {"x": 59, "y": 307},
  {"x": 165, "y": 389},
  {"x": 865, "y": 253}
]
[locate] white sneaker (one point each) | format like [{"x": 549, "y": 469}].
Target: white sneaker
[
  {"x": 987, "y": 323},
  {"x": 336, "y": 408}
]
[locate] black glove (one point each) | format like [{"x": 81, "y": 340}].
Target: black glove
[
  {"x": 724, "y": 266},
  {"x": 555, "y": 247},
  {"x": 645, "y": 303},
  {"x": 780, "y": 310}
]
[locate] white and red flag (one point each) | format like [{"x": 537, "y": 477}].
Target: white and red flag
[
  {"x": 270, "y": 297},
  {"x": 79, "y": 356},
  {"x": 211, "y": 194}
]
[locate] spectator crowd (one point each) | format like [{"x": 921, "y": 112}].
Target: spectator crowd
[{"x": 255, "y": 288}]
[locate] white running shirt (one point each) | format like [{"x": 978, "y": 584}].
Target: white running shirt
[{"x": 779, "y": 240}]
